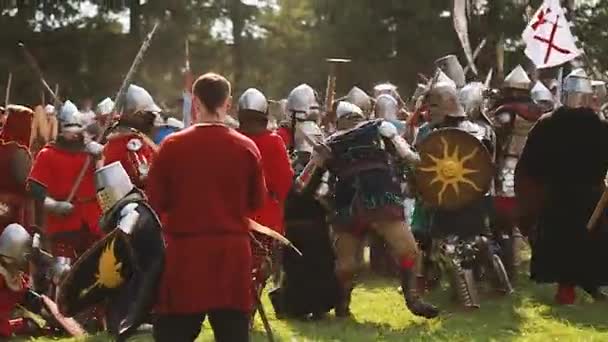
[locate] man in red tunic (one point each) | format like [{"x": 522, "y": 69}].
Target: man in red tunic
[
  {"x": 15, "y": 165},
  {"x": 253, "y": 119},
  {"x": 206, "y": 180},
  {"x": 71, "y": 227},
  {"x": 129, "y": 140}
]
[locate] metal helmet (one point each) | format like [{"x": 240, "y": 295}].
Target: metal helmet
[
  {"x": 15, "y": 243},
  {"x": 471, "y": 98},
  {"x": 139, "y": 99},
  {"x": 347, "y": 109},
  {"x": 359, "y": 98},
  {"x": 443, "y": 78},
  {"x": 452, "y": 68},
  {"x": 68, "y": 117},
  {"x": 253, "y": 99},
  {"x": 577, "y": 91},
  {"x": 386, "y": 107},
  {"x": 105, "y": 107},
  {"x": 442, "y": 101},
  {"x": 49, "y": 109},
  {"x": 386, "y": 88},
  {"x": 309, "y": 128},
  {"x": 302, "y": 102},
  {"x": 542, "y": 96},
  {"x": 517, "y": 79},
  {"x": 112, "y": 183}
]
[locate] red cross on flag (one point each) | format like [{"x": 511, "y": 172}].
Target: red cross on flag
[{"x": 549, "y": 41}]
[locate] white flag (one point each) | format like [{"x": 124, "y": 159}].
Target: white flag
[{"x": 549, "y": 41}]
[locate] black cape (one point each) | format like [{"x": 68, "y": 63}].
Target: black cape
[{"x": 565, "y": 155}]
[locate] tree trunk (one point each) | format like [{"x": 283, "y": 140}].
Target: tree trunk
[
  {"x": 238, "y": 24},
  {"x": 135, "y": 20}
]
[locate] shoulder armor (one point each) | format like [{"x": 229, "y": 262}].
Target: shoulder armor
[
  {"x": 128, "y": 217},
  {"x": 388, "y": 130}
]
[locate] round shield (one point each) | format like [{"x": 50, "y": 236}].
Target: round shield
[{"x": 455, "y": 169}]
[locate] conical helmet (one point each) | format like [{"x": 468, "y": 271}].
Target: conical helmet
[
  {"x": 444, "y": 79},
  {"x": 105, "y": 107},
  {"x": 385, "y": 88},
  {"x": 359, "y": 98},
  {"x": 68, "y": 117},
  {"x": 452, "y": 68},
  {"x": 543, "y": 97},
  {"x": 15, "y": 244},
  {"x": 517, "y": 79},
  {"x": 346, "y": 108},
  {"x": 386, "y": 107},
  {"x": 253, "y": 99},
  {"x": 112, "y": 183},
  {"x": 139, "y": 99},
  {"x": 302, "y": 101}
]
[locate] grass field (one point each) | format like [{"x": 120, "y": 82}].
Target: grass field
[{"x": 379, "y": 315}]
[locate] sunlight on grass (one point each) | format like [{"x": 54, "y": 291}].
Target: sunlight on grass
[{"x": 380, "y": 315}]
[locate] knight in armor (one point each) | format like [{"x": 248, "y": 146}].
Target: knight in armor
[
  {"x": 129, "y": 140},
  {"x": 543, "y": 97},
  {"x": 253, "y": 118},
  {"x": 468, "y": 228},
  {"x": 15, "y": 165},
  {"x": 302, "y": 106},
  {"x": 559, "y": 182},
  {"x": 513, "y": 116},
  {"x": 15, "y": 252},
  {"x": 363, "y": 159},
  {"x": 69, "y": 227},
  {"x": 134, "y": 239}
]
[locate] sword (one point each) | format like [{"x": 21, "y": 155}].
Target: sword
[
  {"x": 117, "y": 105},
  {"x": 598, "y": 211}
]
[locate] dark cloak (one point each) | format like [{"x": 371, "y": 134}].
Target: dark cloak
[{"x": 565, "y": 156}]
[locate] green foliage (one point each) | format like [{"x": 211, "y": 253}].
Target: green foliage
[{"x": 273, "y": 46}]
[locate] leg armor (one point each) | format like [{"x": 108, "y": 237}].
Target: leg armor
[
  {"x": 490, "y": 257},
  {"x": 454, "y": 256}
]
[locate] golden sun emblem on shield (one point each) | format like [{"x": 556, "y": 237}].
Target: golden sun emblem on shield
[
  {"x": 108, "y": 272},
  {"x": 450, "y": 170}
]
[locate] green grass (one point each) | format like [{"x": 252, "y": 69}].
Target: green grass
[{"x": 380, "y": 315}]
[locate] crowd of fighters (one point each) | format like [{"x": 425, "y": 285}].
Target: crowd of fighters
[{"x": 104, "y": 223}]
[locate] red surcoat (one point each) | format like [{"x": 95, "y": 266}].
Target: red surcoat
[
  {"x": 279, "y": 177},
  {"x": 56, "y": 169},
  {"x": 285, "y": 134},
  {"x": 8, "y": 301},
  {"x": 134, "y": 162},
  {"x": 205, "y": 199}
]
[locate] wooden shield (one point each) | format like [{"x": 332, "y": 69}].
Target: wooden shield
[
  {"x": 455, "y": 169},
  {"x": 97, "y": 274}
]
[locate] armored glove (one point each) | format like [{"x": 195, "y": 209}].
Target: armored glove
[{"x": 62, "y": 208}]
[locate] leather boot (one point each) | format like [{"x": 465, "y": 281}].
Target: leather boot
[{"x": 412, "y": 300}]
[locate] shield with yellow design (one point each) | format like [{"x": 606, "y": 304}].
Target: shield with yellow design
[
  {"x": 97, "y": 274},
  {"x": 455, "y": 169}
]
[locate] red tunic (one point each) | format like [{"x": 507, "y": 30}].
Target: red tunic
[
  {"x": 278, "y": 175},
  {"x": 285, "y": 134},
  {"x": 134, "y": 162},
  {"x": 56, "y": 169},
  {"x": 205, "y": 181},
  {"x": 8, "y": 300},
  {"x": 15, "y": 135}
]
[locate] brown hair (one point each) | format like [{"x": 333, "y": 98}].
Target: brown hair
[{"x": 212, "y": 90}]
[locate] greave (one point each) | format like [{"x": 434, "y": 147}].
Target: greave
[{"x": 412, "y": 300}]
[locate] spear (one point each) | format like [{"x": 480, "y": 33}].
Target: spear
[
  {"x": 118, "y": 104},
  {"x": 34, "y": 65},
  {"x": 8, "y": 90}
]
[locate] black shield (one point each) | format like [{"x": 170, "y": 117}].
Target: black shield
[{"x": 97, "y": 274}]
